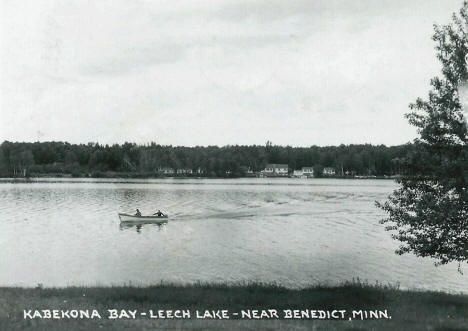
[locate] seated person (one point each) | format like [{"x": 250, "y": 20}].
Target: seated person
[
  {"x": 137, "y": 213},
  {"x": 159, "y": 213}
]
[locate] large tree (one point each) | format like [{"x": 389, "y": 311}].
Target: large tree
[{"x": 428, "y": 214}]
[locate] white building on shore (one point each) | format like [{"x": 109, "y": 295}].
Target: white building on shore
[
  {"x": 166, "y": 170},
  {"x": 298, "y": 173},
  {"x": 276, "y": 170},
  {"x": 308, "y": 171}
]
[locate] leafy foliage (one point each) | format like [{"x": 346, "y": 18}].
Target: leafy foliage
[{"x": 428, "y": 214}]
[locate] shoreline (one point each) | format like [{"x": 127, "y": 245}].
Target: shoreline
[
  {"x": 70, "y": 179},
  {"x": 404, "y": 309}
]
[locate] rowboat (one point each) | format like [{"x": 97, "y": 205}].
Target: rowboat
[{"x": 134, "y": 218}]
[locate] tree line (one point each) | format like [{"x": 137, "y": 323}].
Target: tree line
[{"x": 24, "y": 159}]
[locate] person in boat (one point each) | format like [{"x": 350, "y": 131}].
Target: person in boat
[
  {"x": 159, "y": 213},
  {"x": 137, "y": 213}
]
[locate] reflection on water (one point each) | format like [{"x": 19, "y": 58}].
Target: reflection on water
[
  {"x": 139, "y": 224},
  {"x": 291, "y": 231}
]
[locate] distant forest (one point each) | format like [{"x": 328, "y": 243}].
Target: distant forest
[{"x": 20, "y": 159}]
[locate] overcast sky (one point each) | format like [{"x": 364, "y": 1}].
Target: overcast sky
[{"x": 296, "y": 72}]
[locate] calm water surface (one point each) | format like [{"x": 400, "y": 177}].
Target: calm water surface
[{"x": 292, "y": 231}]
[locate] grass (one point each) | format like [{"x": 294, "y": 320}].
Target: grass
[{"x": 409, "y": 310}]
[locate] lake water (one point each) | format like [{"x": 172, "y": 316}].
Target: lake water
[{"x": 295, "y": 232}]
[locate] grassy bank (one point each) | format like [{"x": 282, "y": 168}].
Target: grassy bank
[{"x": 407, "y": 310}]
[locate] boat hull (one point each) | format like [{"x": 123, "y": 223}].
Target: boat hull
[{"x": 137, "y": 219}]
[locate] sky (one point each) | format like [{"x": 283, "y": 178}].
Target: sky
[{"x": 295, "y": 72}]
